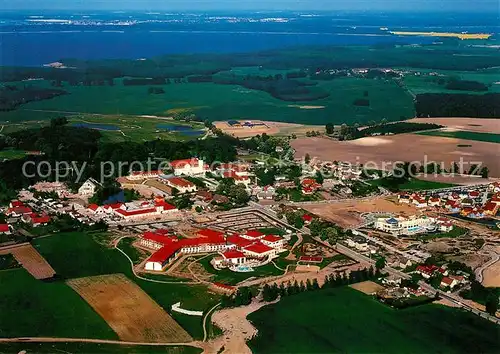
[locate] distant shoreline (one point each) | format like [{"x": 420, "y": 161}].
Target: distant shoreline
[{"x": 462, "y": 36}]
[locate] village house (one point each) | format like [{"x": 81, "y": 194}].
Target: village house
[
  {"x": 131, "y": 211},
  {"x": 245, "y": 180},
  {"x": 17, "y": 209},
  {"x": 234, "y": 257},
  {"x": 36, "y": 220},
  {"x": 88, "y": 188},
  {"x": 5, "y": 229}
]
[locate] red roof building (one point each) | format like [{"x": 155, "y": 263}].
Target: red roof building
[
  {"x": 183, "y": 163},
  {"x": 253, "y": 234},
  {"x": 239, "y": 241},
  {"x": 16, "y": 204},
  {"x": 211, "y": 234},
  {"x": 4, "y": 229},
  {"x": 259, "y": 248},
  {"x": 19, "y": 211},
  {"x": 233, "y": 254}
]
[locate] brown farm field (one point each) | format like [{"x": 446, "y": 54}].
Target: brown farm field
[
  {"x": 480, "y": 125},
  {"x": 128, "y": 310},
  {"x": 348, "y": 213},
  {"x": 270, "y": 128},
  {"x": 367, "y": 287},
  {"x": 382, "y": 152},
  {"x": 32, "y": 261}
]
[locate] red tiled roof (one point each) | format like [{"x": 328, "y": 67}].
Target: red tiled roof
[
  {"x": 474, "y": 194},
  {"x": 447, "y": 281},
  {"x": 272, "y": 238},
  {"x": 135, "y": 212},
  {"x": 140, "y": 173},
  {"x": 239, "y": 241},
  {"x": 20, "y": 210},
  {"x": 258, "y": 247},
  {"x": 4, "y": 228},
  {"x": 307, "y": 217},
  {"x": 16, "y": 203},
  {"x": 180, "y": 182},
  {"x": 114, "y": 206},
  {"x": 40, "y": 219},
  {"x": 157, "y": 237},
  {"x": 165, "y": 205},
  {"x": 209, "y": 233},
  {"x": 164, "y": 253},
  {"x": 93, "y": 207},
  {"x": 490, "y": 206},
  {"x": 182, "y": 163},
  {"x": 254, "y": 233},
  {"x": 231, "y": 254}
]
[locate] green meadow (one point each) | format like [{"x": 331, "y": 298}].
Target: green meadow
[
  {"x": 466, "y": 135},
  {"x": 343, "y": 320},
  {"x": 30, "y": 307},
  {"x": 223, "y": 102}
]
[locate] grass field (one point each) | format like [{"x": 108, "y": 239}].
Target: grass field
[
  {"x": 418, "y": 184},
  {"x": 14, "y": 348},
  {"x": 134, "y": 316},
  {"x": 224, "y": 102},
  {"x": 427, "y": 84},
  {"x": 462, "y": 134},
  {"x": 30, "y": 307},
  {"x": 11, "y": 154},
  {"x": 344, "y": 320}
]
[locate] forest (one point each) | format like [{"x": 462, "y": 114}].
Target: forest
[
  {"x": 458, "y": 105},
  {"x": 12, "y": 96}
]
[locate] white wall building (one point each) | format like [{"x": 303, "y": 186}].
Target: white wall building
[
  {"x": 188, "y": 167},
  {"x": 88, "y": 188},
  {"x": 405, "y": 226}
]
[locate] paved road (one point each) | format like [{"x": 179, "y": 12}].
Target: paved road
[{"x": 91, "y": 340}]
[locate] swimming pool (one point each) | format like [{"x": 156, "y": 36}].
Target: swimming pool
[{"x": 242, "y": 269}]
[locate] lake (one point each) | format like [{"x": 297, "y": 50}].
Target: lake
[
  {"x": 182, "y": 129},
  {"x": 107, "y": 127}
]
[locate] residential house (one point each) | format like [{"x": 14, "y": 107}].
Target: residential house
[{"x": 88, "y": 188}]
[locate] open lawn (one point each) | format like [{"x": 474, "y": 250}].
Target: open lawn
[
  {"x": 30, "y": 307},
  {"x": 416, "y": 184},
  {"x": 344, "y": 320},
  {"x": 14, "y": 348},
  {"x": 225, "y": 102},
  {"x": 465, "y": 135},
  {"x": 132, "y": 314},
  {"x": 11, "y": 154}
]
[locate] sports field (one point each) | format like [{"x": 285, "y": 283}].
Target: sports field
[
  {"x": 344, "y": 320},
  {"x": 465, "y": 135},
  {"x": 225, "y": 102},
  {"x": 132, "y": 314}
]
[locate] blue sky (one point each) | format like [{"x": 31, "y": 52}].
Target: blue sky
[{"x": 204, "y": 5}]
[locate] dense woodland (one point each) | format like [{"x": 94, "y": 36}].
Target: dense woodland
[
  {"x": 458, "y": 105},
  {"x": 61, "y": 142},
  {"x": 12, "y": 96}
]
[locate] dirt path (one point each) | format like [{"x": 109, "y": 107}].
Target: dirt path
[{"x": 237, "y": 330}]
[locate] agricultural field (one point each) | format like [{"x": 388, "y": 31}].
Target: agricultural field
[
  {"x": 150, "y": 324},
  {"x": 30, "y": 307},
  {"x": 426, "y": 83},
  {"x": 11, "y": 154},
  {"x": 464, "y": 135},
  {"x": 225, "y": 102},
  {"x": 74, "y": 347},
  {"x": 480, "y": 125},
  {"x": 336, "y": 320},
  {"x": 33, "y": 262},
  {"x": 382, "y": 152}
]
